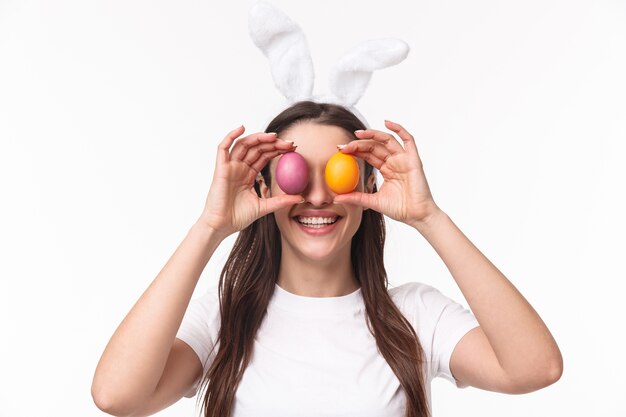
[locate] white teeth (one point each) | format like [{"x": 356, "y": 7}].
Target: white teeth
[
  {"x": 316, "y": 221},
  {"x": 313, "y": 226}
]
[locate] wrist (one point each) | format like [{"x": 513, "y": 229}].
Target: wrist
[
  {"x": 209, "y": 233},
  {"x": 428, "y": 221}
]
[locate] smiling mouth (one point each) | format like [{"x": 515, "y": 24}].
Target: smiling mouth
[{"x": 316, "y": 222}]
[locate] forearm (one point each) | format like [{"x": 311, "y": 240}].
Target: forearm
[
  {"x": 518, "y": 336},
  {"x": 135, "y": 357}
]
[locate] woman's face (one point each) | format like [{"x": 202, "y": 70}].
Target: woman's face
[{"x": 317, "y": 143}]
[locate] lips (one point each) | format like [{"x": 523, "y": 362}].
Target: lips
[
  {"x": 317, "y": 222},
  {"x": 317, "y": 230},
  {"x": 317, "y": 213}
]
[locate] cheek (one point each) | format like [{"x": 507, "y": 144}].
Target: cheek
[
  {"x": 281, "y": 217},
  {"x": 356, "y": 215},
  {"x": 275, "y": 190}
]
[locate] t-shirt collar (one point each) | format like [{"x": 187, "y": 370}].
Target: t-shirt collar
[{"x": 317, "y": 306}]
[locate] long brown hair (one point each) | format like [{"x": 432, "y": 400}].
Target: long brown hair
[{"x": 248, "y": 280}]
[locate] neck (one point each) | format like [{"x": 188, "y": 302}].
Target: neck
[{"x": 330, "y": 277}]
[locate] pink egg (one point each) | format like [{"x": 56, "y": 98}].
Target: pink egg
[{"x": 292, "y": 173}]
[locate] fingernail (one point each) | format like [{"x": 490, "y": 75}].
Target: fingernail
[
  {"x": 358, "y": 131},
  {"x": 340, "y": 147},
  {"x": 272, "y": 133},
  {"x": 289, "y": 141}
]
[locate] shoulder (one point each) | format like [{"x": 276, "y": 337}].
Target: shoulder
[
  {"x": 414, "y": 294},
  {"x": 201, "y": 322},
  {"x": 207, "y": 305},
  {"x": 410, "y": 287},
  {"x": 212, "y": 293},
  {"x": 420, "y": 303}
]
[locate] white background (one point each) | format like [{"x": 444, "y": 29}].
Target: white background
[{"x": 111, "y": 111}]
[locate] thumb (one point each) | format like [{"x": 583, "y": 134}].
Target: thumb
[
  {"x": 358, "y": 198},
  {"x": 268, "y": 205}
]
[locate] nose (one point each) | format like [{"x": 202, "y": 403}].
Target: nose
[{"x": 317, "y": 192}]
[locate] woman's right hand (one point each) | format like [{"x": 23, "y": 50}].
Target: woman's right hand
[{"x": 232, "y": 203}]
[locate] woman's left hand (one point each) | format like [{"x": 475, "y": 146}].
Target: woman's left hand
[{"x": 404, "y": 195}]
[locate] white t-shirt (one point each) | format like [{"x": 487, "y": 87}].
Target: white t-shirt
[{"x": 314, "y": 356}]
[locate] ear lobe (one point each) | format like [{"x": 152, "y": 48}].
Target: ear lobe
[
  {"x": 371, "y": 182},
  {"x": 265, "y": 191},
  {"x": 369, "y": 186}
]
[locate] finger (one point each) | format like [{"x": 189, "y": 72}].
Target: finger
[
  {"x": 265, "y": 158},
  {"x": 369, "y": 200},
  {"x": 407, "y": 138},
  {"x": 256, "y": 152},
  {"x": 269, "y": 205},
  {"x": 371, "y": 158},
  {"x": 223, "y": 148},
  {"x": 367, "y": 146},
  {"x": 243, "y": 144},
  {"x": 385, "y": 138}
]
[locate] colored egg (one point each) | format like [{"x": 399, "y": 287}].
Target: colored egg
[
  {"x": 342, "y": 173},
  {"x": 292, "y": 173}
]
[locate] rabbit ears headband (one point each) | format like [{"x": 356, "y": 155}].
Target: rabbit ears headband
[{"x": 283, "y": 43}]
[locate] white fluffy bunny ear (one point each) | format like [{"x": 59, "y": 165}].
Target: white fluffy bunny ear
[
  {"x": 351, "y": 74},
  {"x": 284, "y": 44}
]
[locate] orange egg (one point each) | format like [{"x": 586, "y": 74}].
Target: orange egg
[{"x": 342, "y": 173}]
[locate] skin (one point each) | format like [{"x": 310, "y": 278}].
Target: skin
[
  {"x": 512, "y": 351},
  {"x": 317, "y": 266}
]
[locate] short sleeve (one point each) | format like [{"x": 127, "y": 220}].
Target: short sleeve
[
  {"x": 439, "y": 321},
  {"x": 199, "y": 329},
  {"x": 452, "y": 321}
]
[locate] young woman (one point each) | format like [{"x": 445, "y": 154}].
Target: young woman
[{"x": 302, "y": 322}]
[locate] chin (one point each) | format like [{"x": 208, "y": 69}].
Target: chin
[
  {"x": 316, "y": 253},
  {"x": 319, "y": 245}
]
